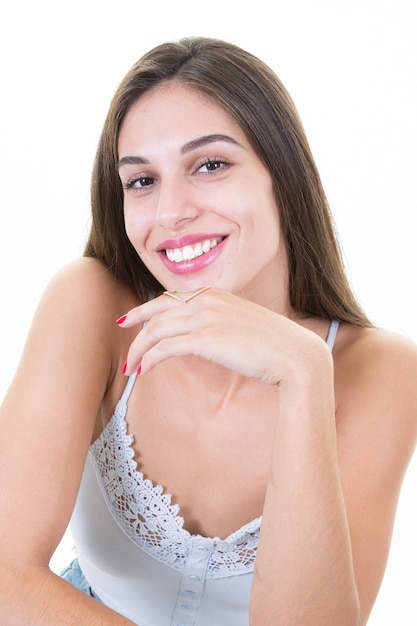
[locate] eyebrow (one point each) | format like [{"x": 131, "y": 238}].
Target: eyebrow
[
  {"x": 207, "y": 139},
  {"x": 188, "y": 147}
]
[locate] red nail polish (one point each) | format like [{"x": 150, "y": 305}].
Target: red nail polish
[
  {"x": 139, "y": 369},
  {"x": 124, "y": 367},
  {"x": 121, "y": 319}
]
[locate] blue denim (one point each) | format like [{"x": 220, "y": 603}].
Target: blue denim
[{"x": 74, "y": 575}]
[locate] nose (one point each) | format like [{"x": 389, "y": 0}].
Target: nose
[{"x": 176, "y": 204}]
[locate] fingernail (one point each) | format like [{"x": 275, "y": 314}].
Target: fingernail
[
  {"x": 121, "y": 319},
  {"x": 124, "y": 367},
  {"x": 139, "y": 369}
]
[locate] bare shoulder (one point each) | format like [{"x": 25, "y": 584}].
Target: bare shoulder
[
  {"x": 87, "y": 282},
  {"x": 368, "y": 355},
  {"x": 76, "y": 318},
  {"x": 376, "y": 391}
]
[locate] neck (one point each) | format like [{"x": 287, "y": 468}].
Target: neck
[
  {"x": 218, "y": 384},
  {"x": 270, "y": 289}
]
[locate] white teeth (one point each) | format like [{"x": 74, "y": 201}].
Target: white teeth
[
  {"x": 187, "y": 253},
  {"x": 198, "y": 250}
]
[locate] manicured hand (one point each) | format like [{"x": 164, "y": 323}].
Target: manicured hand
[{"x": 219, "y": 327}]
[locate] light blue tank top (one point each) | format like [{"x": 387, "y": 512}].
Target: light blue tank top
[{"x": 135, "y": 553}]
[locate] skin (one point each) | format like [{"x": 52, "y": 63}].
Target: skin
[
  {"x": 176, "y": 194},
  {"x": 271, "y": 421}
]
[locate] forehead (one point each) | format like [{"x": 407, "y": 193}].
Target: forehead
[{"x": 175, "y": 110}]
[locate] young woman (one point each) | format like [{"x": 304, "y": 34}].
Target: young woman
[{"x": 232, "y": 450}]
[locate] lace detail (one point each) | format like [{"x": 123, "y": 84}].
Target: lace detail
[{"x": 145, "y": 513}]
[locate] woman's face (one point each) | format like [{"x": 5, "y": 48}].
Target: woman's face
[{"x": 199, "y": 204}]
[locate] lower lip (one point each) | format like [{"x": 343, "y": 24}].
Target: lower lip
[{"x": 194, "y": 265}]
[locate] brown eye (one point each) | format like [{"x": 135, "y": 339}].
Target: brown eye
[
  {"x": 211, "y": 166},
  {"x": 140, "y": 182}
]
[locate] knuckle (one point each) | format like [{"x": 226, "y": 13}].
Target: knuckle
[{"x": 151, "y": 330}]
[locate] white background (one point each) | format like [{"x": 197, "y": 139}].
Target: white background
[{"x": 351, "y": 69}]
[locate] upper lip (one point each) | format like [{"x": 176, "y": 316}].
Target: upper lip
[{"x": 186, "y": 240}]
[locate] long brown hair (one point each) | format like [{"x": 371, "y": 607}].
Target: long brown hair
[{"x": 253, "y": 95}]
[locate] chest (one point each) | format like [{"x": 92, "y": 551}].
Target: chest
[{"x": 213, "y": 459}]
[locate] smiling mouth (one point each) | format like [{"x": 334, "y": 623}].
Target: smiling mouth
[{"x": 188, "y": 253}]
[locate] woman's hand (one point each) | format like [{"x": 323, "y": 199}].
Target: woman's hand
[{"x": 219, "y": 327}]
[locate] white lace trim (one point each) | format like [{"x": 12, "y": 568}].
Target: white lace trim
[{"x": 145, "y": 513}]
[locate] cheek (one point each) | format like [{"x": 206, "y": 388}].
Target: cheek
[{"x": 137, "y": 226}]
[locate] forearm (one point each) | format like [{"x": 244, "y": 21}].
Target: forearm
[
  {"x": 304, "y": 571},
  {"x": 38, "y": 597}
]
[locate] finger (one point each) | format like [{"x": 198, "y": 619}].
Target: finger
[
  {"x": 180, "y": 345},
  {"x": 201, "y": 345},
  {"x": 144, "y": 312},
  {"x": 170, "y": 301},
  {"x": 165, "y": 325}
]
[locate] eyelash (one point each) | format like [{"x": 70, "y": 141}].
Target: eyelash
[
  {"x": 216, "y": 161},
  {"x": 219, "y": 163},
  {"x": 130, "y": 184}
]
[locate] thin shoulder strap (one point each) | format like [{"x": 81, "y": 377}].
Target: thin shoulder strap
[
  {"x": 331, "y": 337},
  {"x": 128, "y": 389},
  {"x": 132, "y": 378}
]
